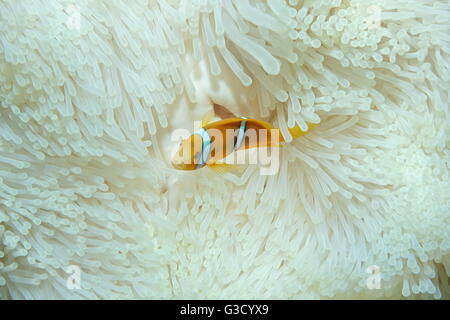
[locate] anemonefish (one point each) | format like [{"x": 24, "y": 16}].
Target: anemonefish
[{"x": 214, "y": 141}]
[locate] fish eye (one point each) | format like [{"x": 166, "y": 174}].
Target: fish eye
[{"x": 197, "y": 155}]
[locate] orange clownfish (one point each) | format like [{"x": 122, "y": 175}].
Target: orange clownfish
[{"x": 214, "y": 141}]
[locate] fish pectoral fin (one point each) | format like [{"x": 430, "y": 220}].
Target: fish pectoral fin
[
  {"x": 223, "y": 167},
  {"x": 211, "y": 161},
  {"x": 277, "y": 145}
]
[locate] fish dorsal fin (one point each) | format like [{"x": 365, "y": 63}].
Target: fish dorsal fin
[
  {"x": 237, "y": 121},
  {"x": 207, "y": 117}
]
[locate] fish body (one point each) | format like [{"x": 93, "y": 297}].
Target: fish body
[{"x": 214, "y": 141}]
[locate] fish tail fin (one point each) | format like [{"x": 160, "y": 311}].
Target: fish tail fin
[{"x": 297, "y": 132}]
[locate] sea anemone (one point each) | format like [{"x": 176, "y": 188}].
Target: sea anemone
[{"x": 91, "y": 92}]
